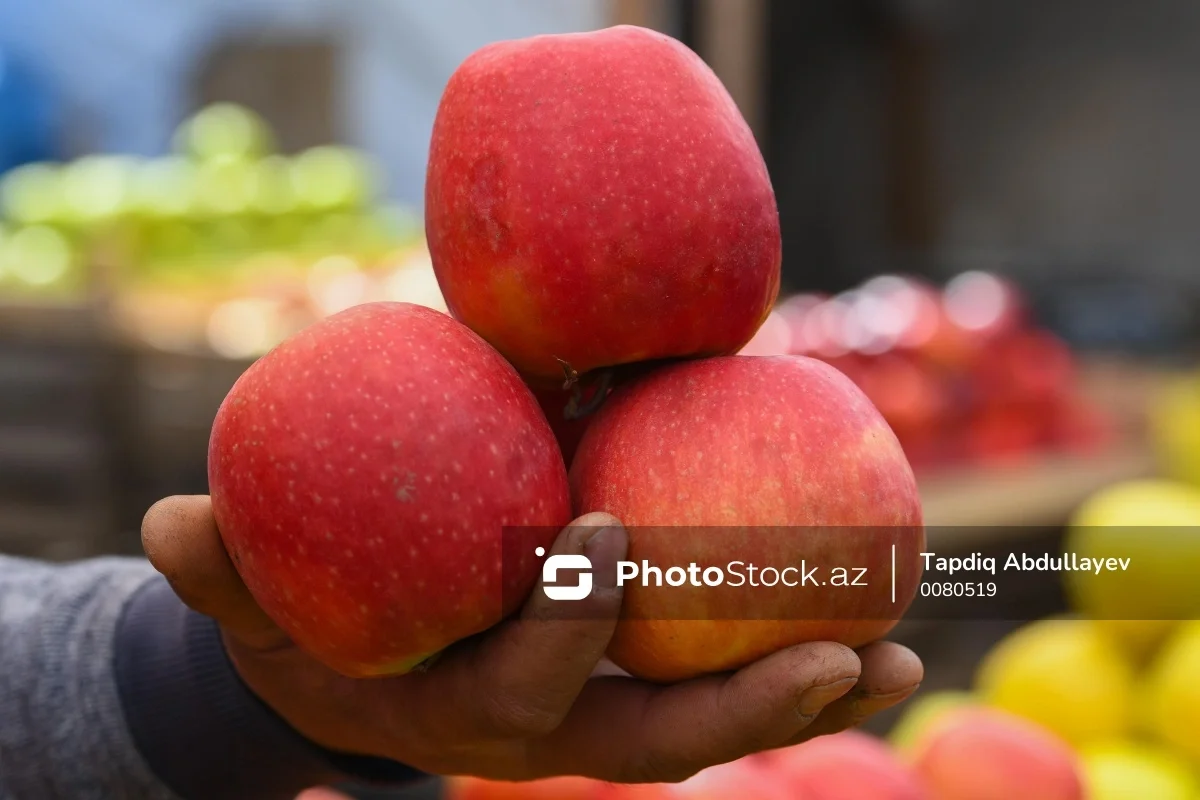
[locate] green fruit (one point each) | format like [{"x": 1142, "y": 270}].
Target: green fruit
[
  {"x": 330, "y": 178},
  {"x": 225, "y": 187},
  {"x": 222, "y": 131},
  {"x": 32, "y": 194},
  {"x": 273, "y": 189},
  {"x": 97, "y": 188},
  {"x": 164, "y": 188},
  {"x": 37, "y": 258}
]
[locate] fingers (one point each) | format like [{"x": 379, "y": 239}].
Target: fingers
[
  {"x": 522, "y": 679},
  {"x": 181, "y": 540},
  {"x": 891, "y": 673},
  {"x": 629, "y": 731}
]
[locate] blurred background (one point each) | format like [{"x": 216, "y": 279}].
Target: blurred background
[{"x": 988, "y": 219}]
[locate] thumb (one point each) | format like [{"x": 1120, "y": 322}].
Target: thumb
[
  {"x": 527, "y": 673},
  {"x": 181, "y": 540}
]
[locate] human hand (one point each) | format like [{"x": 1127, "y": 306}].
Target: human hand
[{"x": 525, "y": 700}]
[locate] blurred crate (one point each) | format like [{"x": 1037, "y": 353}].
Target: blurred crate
[{"x": 56, "y": 475}]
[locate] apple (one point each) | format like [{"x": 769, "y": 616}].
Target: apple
[
  {"x": 910, "y": 395},
  {"x": 363, "y": 474},
  {"x": 1171, "y": 694},
  {"x": 1030, "y": 366},
  {"x": 1001, "y": 433},
  {"x": 1065, "y": 674},
  {"x": 744, "y": 779},
  {"x": 1137, "y": 771},
  {"x": 596, "y": 199},
  {"x": 984, "y": 754},
  {"x": 560, "y": 788},
  {"x": 923, "y": 712},
  {"x": 556, "y": 404},
  {"x": 1156, "y": 524},
  {"x": 844, "y": 765},
  {"x": 987, "y": 306},
  {"x": 769, "y": 461},
  {"x": 1174, "y": 427}
]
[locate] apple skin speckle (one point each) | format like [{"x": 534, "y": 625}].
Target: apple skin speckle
[
  {"x": 598, "y": 198},
  {"x": 771, "y": 460},
  {"x": 335, "y": 526}
]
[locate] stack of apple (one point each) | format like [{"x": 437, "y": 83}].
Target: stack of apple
[
  {"x": 604, "y": 231},
  {"x": 960, "y": 373}
]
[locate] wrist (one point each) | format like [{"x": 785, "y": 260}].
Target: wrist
[{"x": 199, "y": 726}]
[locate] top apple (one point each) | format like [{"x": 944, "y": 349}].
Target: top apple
[{"x": 597, "y": 199}]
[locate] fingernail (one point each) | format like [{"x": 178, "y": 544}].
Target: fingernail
[
  {"x": 815, "y": 698},
  {"x": 604, "y": 548},
  {"x": 870, "y": 703}
]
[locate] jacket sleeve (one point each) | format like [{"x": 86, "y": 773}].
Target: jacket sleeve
[{"x": 111, "y": 687}]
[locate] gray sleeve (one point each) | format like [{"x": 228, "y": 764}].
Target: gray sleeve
[{"x": 62, "y": 728}]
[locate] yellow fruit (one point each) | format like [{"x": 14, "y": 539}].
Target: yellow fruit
[
  {"x": 1175, "y": 429},
  {"x": 1064, "y": 674},
  {"x": 1172, "y": 692},
  {"x": 1155, "y": 524},
  {"x": 1128, "y": 771}
]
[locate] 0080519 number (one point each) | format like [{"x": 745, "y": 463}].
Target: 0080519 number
[{"x": 957, "y": 589}]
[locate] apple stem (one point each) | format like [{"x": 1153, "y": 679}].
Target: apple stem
[{"x": 577, "y": 408}]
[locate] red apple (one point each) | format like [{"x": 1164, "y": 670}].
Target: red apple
[
  {"x": 846, "y": 765},
  {"x": 983, "y": 754},
  {"x": 776, "y": 462},
  {"x": 999, "y": 433},
  {"x": 362, "y": 474},
  {"x": 568, "y": 430},
  {"x": 744, "y": 779},
  {"x": 1026, "y": 367},
  {"x": 597, "y": 199},
  {"x": 984, "y": 305},
  {"x": 564, "y": 788},
  {"x": 909, "y": 393}
]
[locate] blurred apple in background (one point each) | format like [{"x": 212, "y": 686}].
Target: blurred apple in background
[
  {"x": 984, "y": 305},
  {"x": 1175, "y": 428},
  {"x": 998, "y": 433},
  {"x": 1137, "y": 771},
  {"x": 224, "y": 131},
  {"x": 32, "y": 194},
  {"x": 923, "y": 711},
  {"x": 1064, "y": 674},
  {"x": 1171, "y": 693},
  {"x": 983, "y": 754},
  {"x": 1156, "y": 524},
  {"x": 744, "y": 779},
  {"x": 850, "y": 764},
  {"x": 565, "y": 788},
  {"x": 773, "y": 338}
]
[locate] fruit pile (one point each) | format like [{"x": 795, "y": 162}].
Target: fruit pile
[
  {"x": 604, "y": 231},
  {"x": 960, "y": 373},
  {"x": 1098, "y": 705},
  {"x": 223, "y": 245}
]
